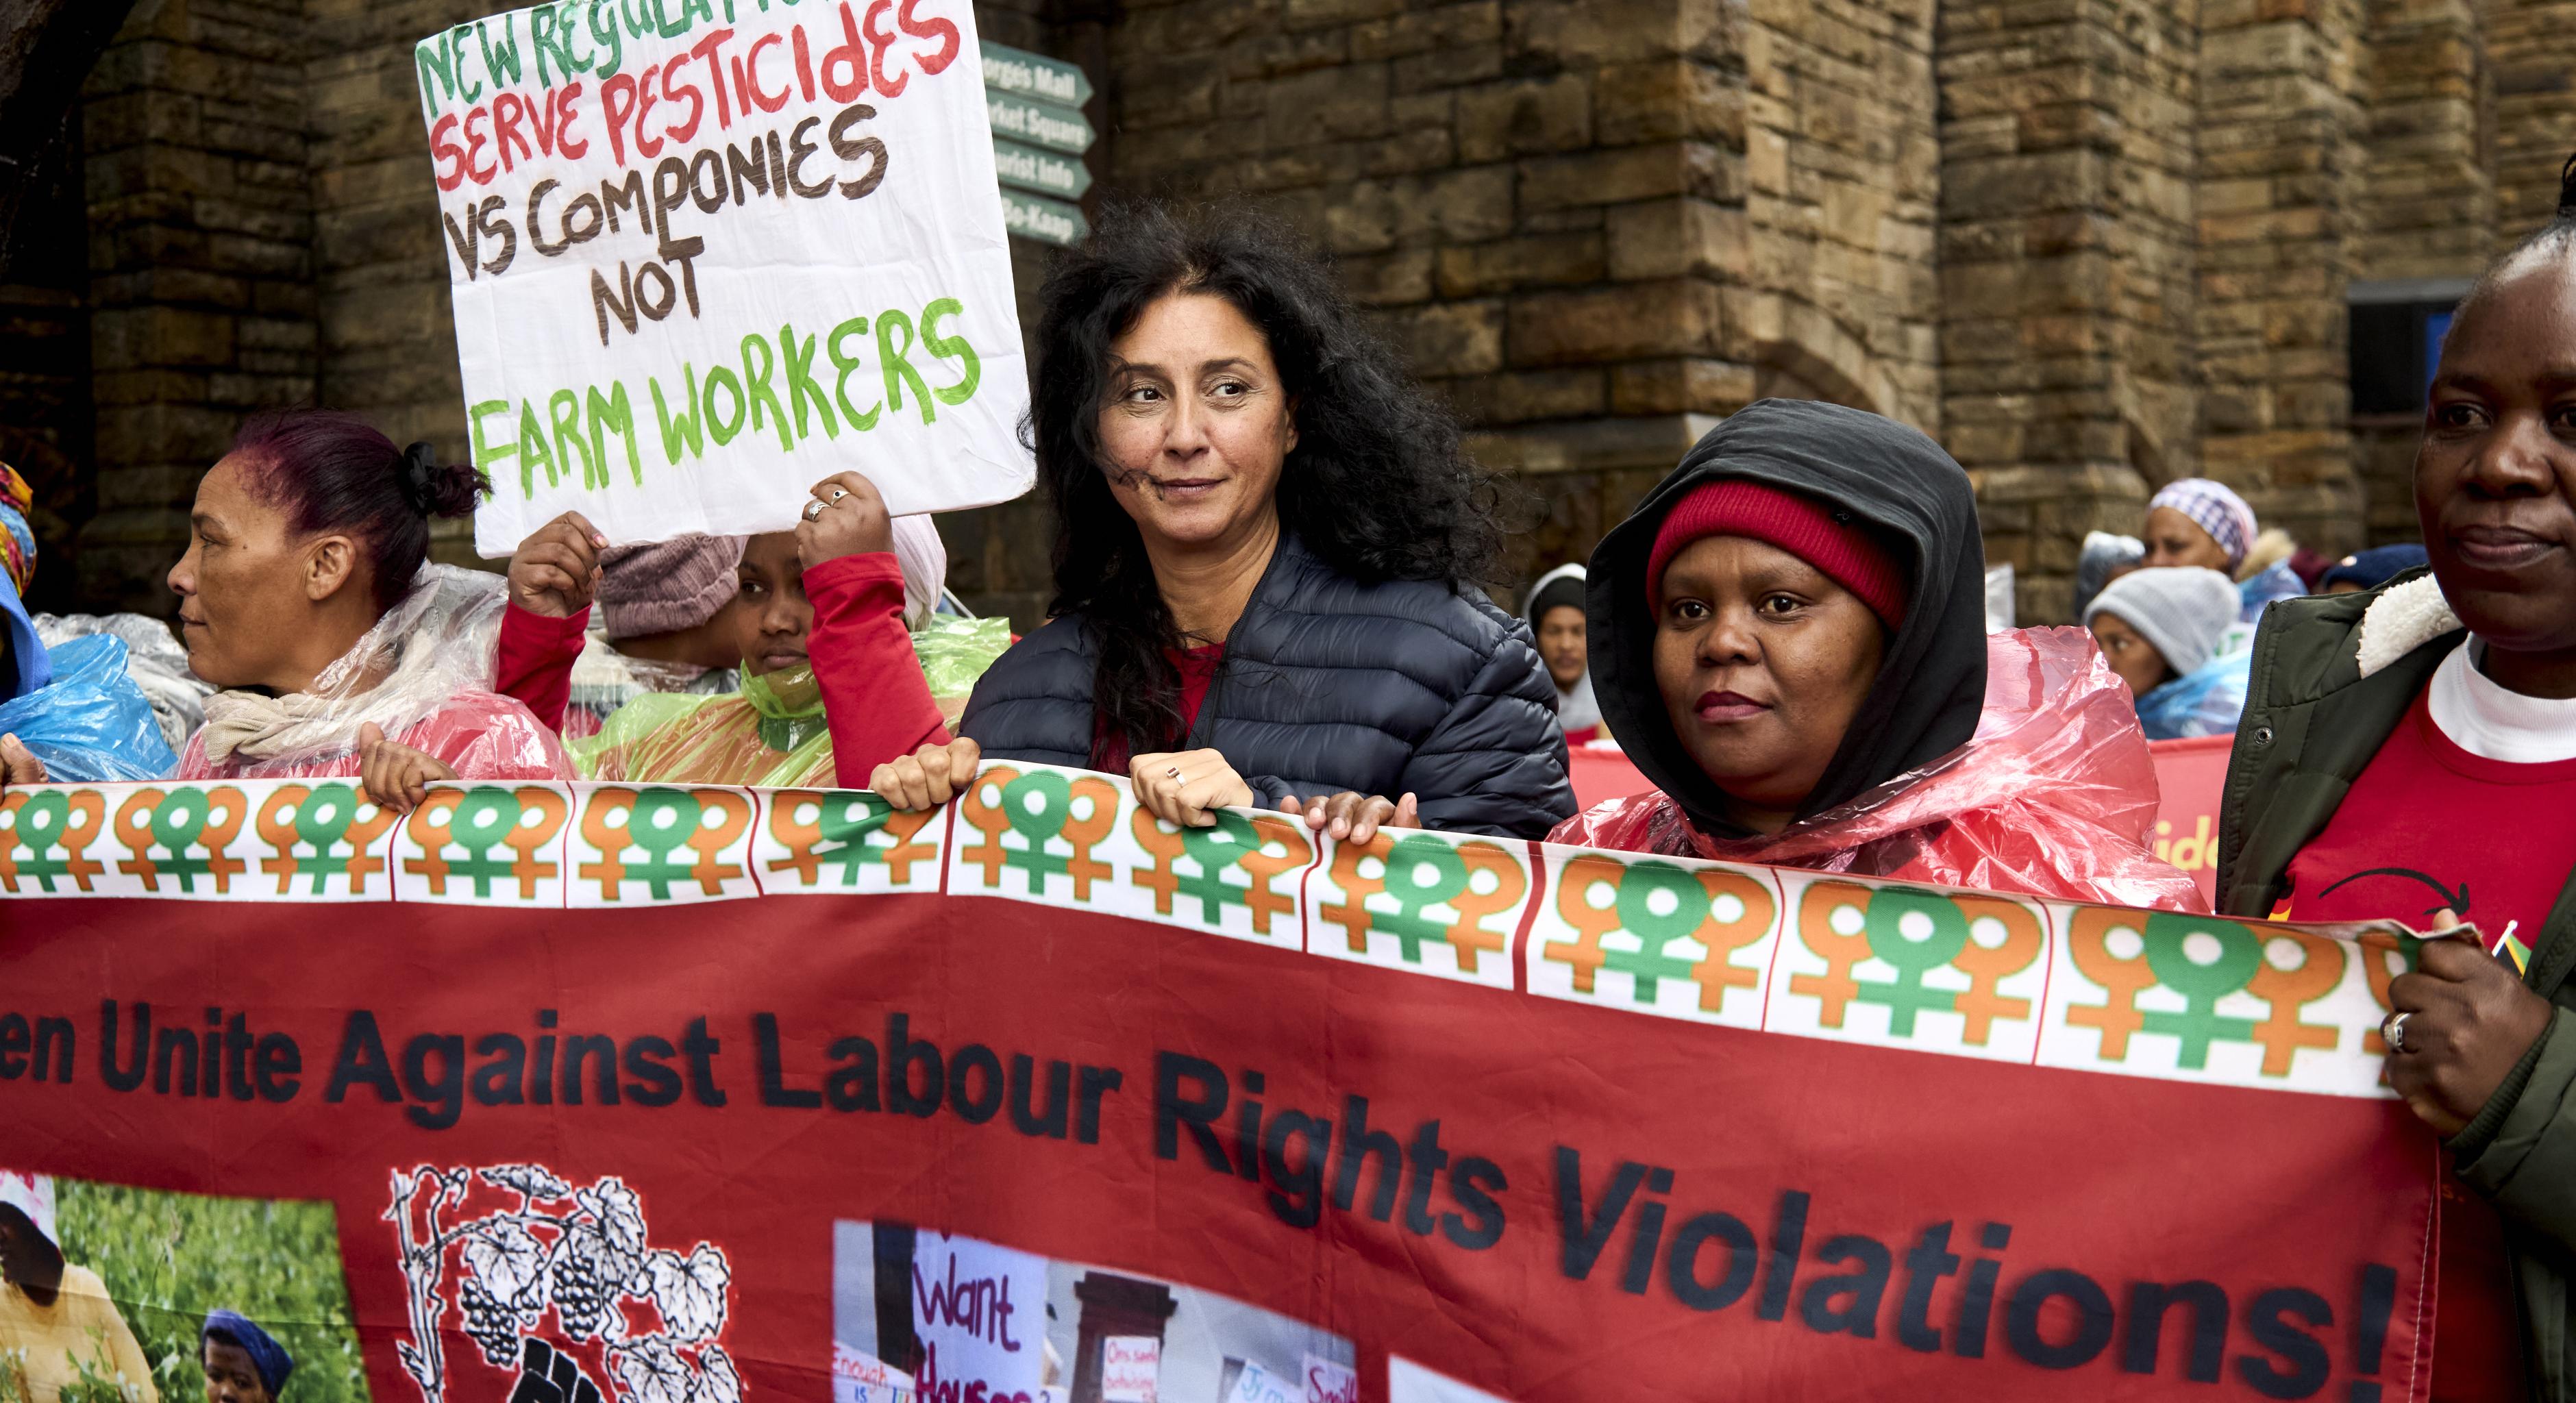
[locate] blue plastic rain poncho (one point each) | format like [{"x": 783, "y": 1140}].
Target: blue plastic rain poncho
[
  {"x": 2204, "y": 702},
  {"x": 90, "y": 722},
  {"x": 73, "y": 707}
]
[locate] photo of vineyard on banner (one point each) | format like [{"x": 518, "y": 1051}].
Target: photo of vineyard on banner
[{"x": 722, "y": 1095}]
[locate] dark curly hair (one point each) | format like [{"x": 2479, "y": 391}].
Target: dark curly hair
[{"x": 1376, "y": 486}]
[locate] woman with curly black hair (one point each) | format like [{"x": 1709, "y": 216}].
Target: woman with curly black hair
[{"x": 1266, "y": 550}]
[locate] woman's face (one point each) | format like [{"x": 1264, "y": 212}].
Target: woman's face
[
  {"x": 2497, "y": 470},
  {"x": 1196, "y": 424},
  {"x": 770, "y": 616},
  {"x": 247, "y": 587},
  {"x": 230, "y": 1375},
  {"x": 1762, "y": 661},
  {"x": 2135, "y": 659},
  {"x": 1560, "y": 644},
  {"x": 2175, "y": 539}
]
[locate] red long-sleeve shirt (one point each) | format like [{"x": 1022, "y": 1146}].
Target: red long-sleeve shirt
[
  {"x": 535, "y": 660},
  {"x": 874, "y": 696}
]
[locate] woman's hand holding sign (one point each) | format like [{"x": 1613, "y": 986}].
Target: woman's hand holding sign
[
  {"x": 2461, "y": 1021},
  {"x": 555, "y": 569},
  {"x": 846, "y": 517}
]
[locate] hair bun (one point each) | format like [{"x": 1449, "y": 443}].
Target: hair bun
[{"x": 433, "y": 490}]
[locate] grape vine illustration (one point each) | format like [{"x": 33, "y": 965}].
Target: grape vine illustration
[{"x": 581, "y": 1254}]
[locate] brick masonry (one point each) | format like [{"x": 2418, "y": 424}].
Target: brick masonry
[{"x": 2091, "y": 245}]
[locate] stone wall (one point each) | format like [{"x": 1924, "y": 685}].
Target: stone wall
[
  {"x": 201, "y": 266},
  {"x": 2531, "y": 57},
  {"x": 1541, "y": 201},
  {"x": 2067, "y": 288},
  {"x": 2280, "y": 186}
]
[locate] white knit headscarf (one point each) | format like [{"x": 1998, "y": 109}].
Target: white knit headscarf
[{"x": 923, "y": 557}]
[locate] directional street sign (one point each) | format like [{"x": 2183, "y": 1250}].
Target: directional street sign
[
  {"x": 1039, "y": 134},
  {"x": 1049, "y": 221},
  {"x": 1042, "y": 123},
  {"x": 1043, "y": 171},
  {"x": 1024, "y": 74}
]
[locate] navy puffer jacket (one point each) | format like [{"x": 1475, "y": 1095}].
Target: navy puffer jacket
[{"x": 1331, "y": 685}]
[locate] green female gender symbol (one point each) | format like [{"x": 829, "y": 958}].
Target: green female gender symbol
[
  {"x": 42, "y": 819},
  {"x": 178, "y": 823},
  {"x": 661, "y": 823},
  {"x": 41, "y": 823},
  {"x": 484, "y": 818},
  {"x": 1054, "y": 794},
  {"x": 2240, "y": 957},
  {"x": 842, "y": 824},
  {"x": 1216, "y": 848},
  {"x": 322, "y": 820},
  {"x": 1637, "y": 891},
  {"x": 1404, "y": 864},
  {"x": 1941, "y": 943}
]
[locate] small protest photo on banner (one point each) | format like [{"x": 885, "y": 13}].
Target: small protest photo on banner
[
  {"x": 918, "y": 1314},
  {"x": 124, "y": 1295}
]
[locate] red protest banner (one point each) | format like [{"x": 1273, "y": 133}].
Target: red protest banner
[
  {"x": 2192, "y": 774},
  {"x": 720, "y": 1094}
]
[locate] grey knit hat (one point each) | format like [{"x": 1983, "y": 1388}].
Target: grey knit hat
[
  {"x": 2182, "y": 610},
  {"x": 668, "y": 585}
]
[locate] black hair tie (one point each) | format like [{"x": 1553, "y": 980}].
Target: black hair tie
[{"x": 419, "y": 470}]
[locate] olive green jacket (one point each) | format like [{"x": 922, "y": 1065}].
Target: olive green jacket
[{"x": 2332, "y": 677}]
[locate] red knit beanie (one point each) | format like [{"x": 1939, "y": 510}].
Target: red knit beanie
[{"x": 1792, "y": 521}]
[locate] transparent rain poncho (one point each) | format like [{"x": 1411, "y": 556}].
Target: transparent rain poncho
[
  {"x": 423, "y": 674},
  {"x": 770, "y": 733},
  {"x": 954, "y": 653}
]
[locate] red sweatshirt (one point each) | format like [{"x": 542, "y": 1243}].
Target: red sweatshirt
[
  {"x": 874, "y": 696},
  {"x": 536, "y": 658}
]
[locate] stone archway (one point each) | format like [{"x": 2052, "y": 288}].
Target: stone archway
[{"x": 1801, "y": 352}]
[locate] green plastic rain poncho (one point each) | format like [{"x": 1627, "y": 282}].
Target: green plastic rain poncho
[{"x": 772, "y": 732}]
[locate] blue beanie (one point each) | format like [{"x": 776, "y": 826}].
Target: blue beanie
[{"x": 266, "y": 1355}]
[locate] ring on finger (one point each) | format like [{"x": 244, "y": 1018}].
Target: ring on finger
[
  {"x": 1174, "y": 772},
  {"x": 814, "y": 510},
  {"x": 2392, "y": 1030},
  {"x": 837, "y": 494}
]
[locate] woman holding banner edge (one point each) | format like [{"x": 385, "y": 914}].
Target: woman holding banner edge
[
  {"x": 1267, "y": 543},
  {"x": 1788, "y": 638},
  {"x": 2410, "y": 752}
]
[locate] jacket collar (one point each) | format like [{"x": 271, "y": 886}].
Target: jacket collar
[{"x": 2402, "y": 619}]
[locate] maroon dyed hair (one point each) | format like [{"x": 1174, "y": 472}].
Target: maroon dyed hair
[{"x": 333, "y": 472}]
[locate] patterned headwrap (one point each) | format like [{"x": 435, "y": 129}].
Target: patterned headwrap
[
  {"x": 17, "y": 538},
  {"x": 2214, "y": 508}
]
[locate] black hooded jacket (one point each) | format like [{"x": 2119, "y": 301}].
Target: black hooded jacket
[{"x": 1907, "y": 492}]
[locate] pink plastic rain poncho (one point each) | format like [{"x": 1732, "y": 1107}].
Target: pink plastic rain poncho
[
  {"x": 2053, "y": 797},
  {"x": 423, "y": 674}
]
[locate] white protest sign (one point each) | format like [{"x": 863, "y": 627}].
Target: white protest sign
[
  {"x": 1258, "y": 1385},
  {"x": 1131, "y": 1368},
  {"x": 980, "y": 1311},
  {"x": 705, "y": 253},
  {"x": 860, "y": 1377},
  {"x": 1328, "y": 1382}
]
